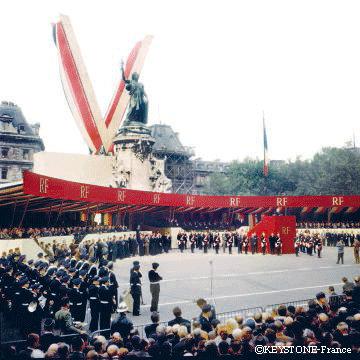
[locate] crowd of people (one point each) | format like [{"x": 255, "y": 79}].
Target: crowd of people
[
  {"x": 226, "y": 241},
  {"x": 21, "y": 233},
  {"x": 330, "y": 322},
  {"x": 111, "y": 248},
  {"x": 312, "y": 243},
  {"x": 327, "y": 225}
]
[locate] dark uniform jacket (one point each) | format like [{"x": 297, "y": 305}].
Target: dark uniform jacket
[
  {"x": 135, "y": 283},
  {"x": 122, "y": 325}
]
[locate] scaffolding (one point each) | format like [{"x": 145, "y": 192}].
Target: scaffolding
[
  {"x": 178, "y": 165},
  {"x": 188, "y": 175}
]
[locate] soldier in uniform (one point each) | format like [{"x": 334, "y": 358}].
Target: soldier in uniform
[
  {"x": 245, "y": 243},
  {"x": 319, "y": 247},
  {"x": 272, "y": 240},
  {"x": 217, "y": 241},
  {"x": 181, "y": 242},
  {"x": 93, "y": 295},
  {"x": 106, "y": 303},
  {"x": 206, "y": 243},
  {"x": 192, "y": 239},
  {"x": 297, "y": 246},
  {"x": 278, "y": 245},
  {"x": 75, "y": 299},
  {"x": 356, "y": 251},
  {"x": 263, "y": 243},
  {"x": 253, "y": 243},
  {"x": 25, "y": 298},
  {"x": 83, "y": 289},
  {"x": 135, "y": 285},
  {"x": 310, "y": 245},
  {"x": 154, "y": 279},
  {"x": 229, "y": 242},
  {"x": 240, "y": 243}
]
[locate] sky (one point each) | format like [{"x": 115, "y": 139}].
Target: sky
[{"x": 212, "y": 69}]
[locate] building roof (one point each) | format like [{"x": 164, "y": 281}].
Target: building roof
[
  {"x": 167, "y": 140},
  {"x": 13, "y": 113},
  {"x": 15, "y": 124}
]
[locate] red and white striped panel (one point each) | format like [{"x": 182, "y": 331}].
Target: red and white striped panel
[{"x": 80, "y": 94}]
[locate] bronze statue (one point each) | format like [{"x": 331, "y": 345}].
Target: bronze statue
[{"x": 138, "y": 104}]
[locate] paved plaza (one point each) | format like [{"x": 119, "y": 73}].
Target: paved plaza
[{"x": 239, "y": 281}]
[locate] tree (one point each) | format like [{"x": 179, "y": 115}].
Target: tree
[{"x": 331, "y": 171}]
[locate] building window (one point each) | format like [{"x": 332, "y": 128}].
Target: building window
[
  {"x": 21, "y": 129},
  {"x": 4, "y": 173},
  {"x": 4, "y": 152},
  {"x": 26, "y": 154}
]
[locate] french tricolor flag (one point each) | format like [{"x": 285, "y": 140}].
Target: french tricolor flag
[{"x": 266, "y": 159}]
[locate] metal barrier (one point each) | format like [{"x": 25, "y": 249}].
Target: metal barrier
[
  {"x": 140, "y": 329},
  {"x": 21, "y": 344},
  {"x": 304, "y": 303},
  {"x": 247, "y": 312}
]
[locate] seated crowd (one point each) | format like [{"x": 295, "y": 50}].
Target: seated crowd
[
  {"x": 327, "y": 225},
  {"x": 20, "y": 232},
  {"x": 331, "y": 321}
]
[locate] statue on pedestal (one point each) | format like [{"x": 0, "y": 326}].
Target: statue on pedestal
[{"x": 138, "y": 104}]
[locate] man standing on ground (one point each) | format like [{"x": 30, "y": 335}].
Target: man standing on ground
[
  {"x": 356, "y": 251},
  {"x": 135, "y": 285},
  {"x": 340, "y": 246},
  {"x": 154, "y": 279},
  {"x": 122, "y": 324}
]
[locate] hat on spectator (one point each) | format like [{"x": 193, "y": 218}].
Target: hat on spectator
[
  {"x": 122, "y": 308},
  {"x": 82, "y": 272},
  {"x": 155, "y": 265},
  {"x": 30, "y": 262},
  {"x": 41, "y": 266},
  {"x": 135, "y": 341},
  {"x": 104, "y": 279},
  {"x": 250, "y": 323},
  {"x": 72, "y": 263},
  {"x": 35, "y": 286},
  {"x": 24, "y": 280},
  {"x": 206, "y": 308},
  {"x": 103, "y": 262},
  {"x": 103, "y": 272},
  {"x": 76, "y": 281},
  {"x": 320, "y": 295},
  {"x": 65, "y": 279},
  {"x": 60, "y": 273}
]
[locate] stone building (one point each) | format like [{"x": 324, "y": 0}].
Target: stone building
[
  {"x": 188, "y": 175},
  {"x": 18, "y": 142}
]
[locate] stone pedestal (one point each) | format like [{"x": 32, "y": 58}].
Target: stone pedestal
[{"x": 134, "y": 165}]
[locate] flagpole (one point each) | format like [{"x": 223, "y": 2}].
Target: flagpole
[{"x": 266, "y": 165}]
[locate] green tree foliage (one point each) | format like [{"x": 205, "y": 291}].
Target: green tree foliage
[{"x": 331, "y": 171}]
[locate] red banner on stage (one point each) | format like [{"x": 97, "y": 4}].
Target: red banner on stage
[{"x": 47, "y": 187}]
